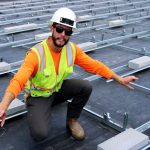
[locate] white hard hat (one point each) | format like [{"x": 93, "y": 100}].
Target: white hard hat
[{"x": 64, "y": 16}]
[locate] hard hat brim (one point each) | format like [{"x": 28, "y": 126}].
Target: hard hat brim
[{"x": 51, "y": 23}]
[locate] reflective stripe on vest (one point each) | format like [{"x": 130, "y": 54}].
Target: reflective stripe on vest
[
  {"x": 41, "y": 51},
  {"x": 69, "y": 54}
]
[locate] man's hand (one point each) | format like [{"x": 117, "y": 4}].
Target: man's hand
[
  {"x": 2, "y": 116},
  {"x": 7, "y": 99},
  {"x": 124, "y": 80}
]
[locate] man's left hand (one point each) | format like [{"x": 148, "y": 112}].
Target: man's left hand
[{"x": 126, "y": 81}]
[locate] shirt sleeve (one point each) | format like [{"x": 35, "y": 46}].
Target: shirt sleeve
[
  {"x": 92, "y": 65},
  {"x": 27, "y": 69}
]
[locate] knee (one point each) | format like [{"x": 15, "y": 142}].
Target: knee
[
  {"x": 39, "y": 135},
  {"x": 87, "y": 86}
]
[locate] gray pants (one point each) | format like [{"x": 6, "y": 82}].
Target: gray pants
[{"x": 39, "y": 108}]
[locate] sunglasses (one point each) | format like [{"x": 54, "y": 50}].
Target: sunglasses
[{"x": 61, "y": 29}]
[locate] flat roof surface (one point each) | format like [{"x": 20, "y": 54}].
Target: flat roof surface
[{"x": 116, "y": 46}]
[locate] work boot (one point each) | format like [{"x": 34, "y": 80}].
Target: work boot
[{"x": 75, "y": 129}]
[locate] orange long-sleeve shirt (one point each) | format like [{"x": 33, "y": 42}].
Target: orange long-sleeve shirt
[{"x": 30, "y": 66}]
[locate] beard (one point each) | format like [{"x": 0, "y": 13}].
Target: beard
[{"x": 54, "y": 39}]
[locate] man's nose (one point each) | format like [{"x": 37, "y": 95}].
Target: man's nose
[{"x": 63, "y": 33}]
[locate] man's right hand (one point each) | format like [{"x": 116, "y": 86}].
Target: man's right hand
[
  {"x": 7, "y": 99},
  {"x": 2, "y": 116}
]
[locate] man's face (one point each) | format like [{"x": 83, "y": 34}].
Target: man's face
[{"x": 60, "y": 34}]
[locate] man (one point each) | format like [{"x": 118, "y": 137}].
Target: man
[{"x": 44, "y": 72}]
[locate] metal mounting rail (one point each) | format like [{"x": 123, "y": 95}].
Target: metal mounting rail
[
  {"x": 42, "y": 4},
  {"x": 16, "y": 42},
  {"x": 95, "y": 77},
  {"x": 40, "y": 26},
  {"x": 131, "y": 71},
  {"x": 121, "y": 69},
  {"x": 103, "y": 46},
  {"x": 137, "y": 86},
  {"x": 108, "y": 121},
  {"x": 101, "y": 16},
  {"x": 105, "y": 119},
  {"x": 75, "y": 6},
  {"x": 123, "y": 37},
  {"x": 128, "y": 22},
  {"x": 40, "y": 8},
  {"x": 16, "y": 114},
  {"x": 134, "y": 50},
  {"x": 143, "y": 127},
  {"x": 19, "y": 4},
  {"x": 14, "y": 3},
  {"x": 99, "y": 43},
  {"x": 140, "y": 87},
  {"x": 147, "y": 146},
  {"x": 105, "y": 26},
  {"x": 77, "y": 12},
  {"x": 9, "y": 71},
  {"x": 15, "y": 66},
  {"x": 96, "y": 27}
]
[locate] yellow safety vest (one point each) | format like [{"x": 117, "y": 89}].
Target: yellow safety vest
[{"x": 46, "y": 81}]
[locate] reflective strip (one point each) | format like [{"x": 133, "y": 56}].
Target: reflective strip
[
  {"x": 33, "y": 87},
  {"x": 37, "y": 88},
  {"x": 41, "y": 51},
  {"x": 69, "y": 54},
  {"x": 27, "y": 91}
]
